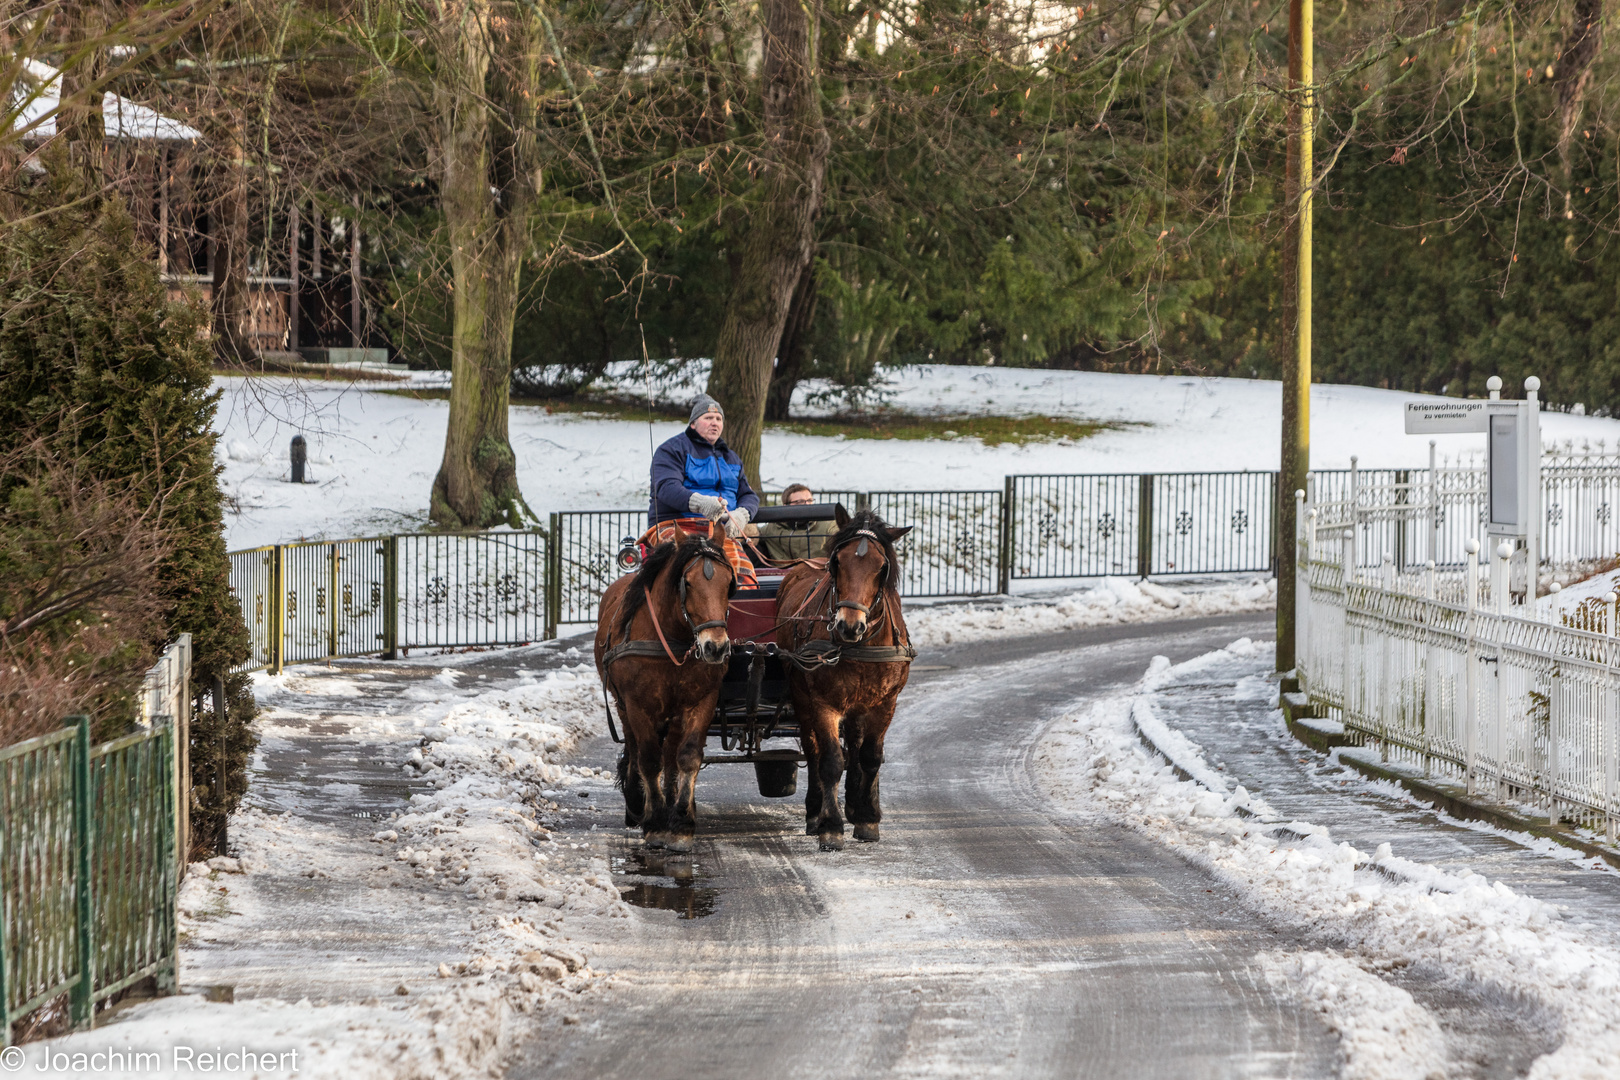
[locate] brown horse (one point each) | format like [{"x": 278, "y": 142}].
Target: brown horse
[
  {"x": 661, "y": 650},
  {"x": 852, "y": 658}
]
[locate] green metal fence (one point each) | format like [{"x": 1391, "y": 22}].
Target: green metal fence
[{"x": 87, "y": 869}]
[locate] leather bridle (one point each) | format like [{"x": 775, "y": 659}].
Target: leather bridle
[
  {"x": 709, "y": 555},
  {"x": 861, "y": 538}
]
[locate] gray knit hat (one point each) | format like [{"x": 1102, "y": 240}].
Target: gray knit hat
[{"x": 703, "y": 404}]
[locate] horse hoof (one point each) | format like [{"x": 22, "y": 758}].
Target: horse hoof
[
  {"x": 832, "y": 841},
  {"x": 678, "y": 844},
  {"x": 657, "y": 840},
  {"x": 866, "y": 832},
  {"x": 812, "y": 828}
]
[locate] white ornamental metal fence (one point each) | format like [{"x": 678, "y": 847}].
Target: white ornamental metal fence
[{"x": 1445, "y": 671}]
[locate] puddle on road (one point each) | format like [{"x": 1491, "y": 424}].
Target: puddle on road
[{"x": 664, "y": 883}]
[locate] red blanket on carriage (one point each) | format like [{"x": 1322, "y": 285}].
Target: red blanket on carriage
[{"x": 666, "y": 531}]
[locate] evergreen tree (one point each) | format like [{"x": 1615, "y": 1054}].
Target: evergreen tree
[{"x": 94, "y": 354}]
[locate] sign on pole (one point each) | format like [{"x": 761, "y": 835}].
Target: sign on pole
[{"x": 1444, "y": 417}]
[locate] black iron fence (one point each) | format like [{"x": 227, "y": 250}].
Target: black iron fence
[{"x": 310, "y": 601}]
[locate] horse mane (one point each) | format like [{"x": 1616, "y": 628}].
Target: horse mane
[{"x": 669, "y": 554}]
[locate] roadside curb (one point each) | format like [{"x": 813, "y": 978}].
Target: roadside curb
[{"x": 1449, "y": 798}]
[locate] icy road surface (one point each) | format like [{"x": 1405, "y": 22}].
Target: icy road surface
[{"x": 983, "y": 936}]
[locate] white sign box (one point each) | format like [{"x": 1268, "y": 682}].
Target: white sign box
[{"x": 1444, "y": 417}]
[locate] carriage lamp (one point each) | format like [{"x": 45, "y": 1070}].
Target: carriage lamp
[{"x": 629, "y": 554}]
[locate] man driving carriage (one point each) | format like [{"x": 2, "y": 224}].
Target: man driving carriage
[{"x": 696, "y": 479}]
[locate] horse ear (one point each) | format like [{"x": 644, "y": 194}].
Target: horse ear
[
  {"x": 717, "y": 532},
  {"x": 840, "y": 515},
  {"x": 895, "y": 534}
]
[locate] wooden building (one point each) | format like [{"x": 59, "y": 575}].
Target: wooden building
[{"x": 306, "y": 291}]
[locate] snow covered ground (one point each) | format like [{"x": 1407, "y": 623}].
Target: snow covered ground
[
  {"x": 373, "y": 455},
  {"x": 1374, "y": 914},
  {"x": 1115, "y": 600},
  {"x": 463, "y": 910}
]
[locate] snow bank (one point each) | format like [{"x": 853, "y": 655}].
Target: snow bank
[
  {"x": 492, "y": 761},
  {"x": 1388, "y": 911},
  {"x": 1115, "y": 600},
  {"x": 1383, "y": 1034}
]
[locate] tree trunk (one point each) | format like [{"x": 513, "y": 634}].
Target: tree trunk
[
  {"x": 228, "y": 222},
  {"x": 794, "y": 352},
  {"x": 486, "y": 184},
  {"x": 1574, "y": 71},
  {"x": 779, "y": 236},
  {"x": 80, "y": 122}
]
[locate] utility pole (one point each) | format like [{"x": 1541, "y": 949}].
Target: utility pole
[{"x": 1296, "y": 381}]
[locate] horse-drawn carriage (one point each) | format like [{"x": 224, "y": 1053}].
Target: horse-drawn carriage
[
  {"x": 776, "y": 642},
  {"x": 754, "y": 704}
]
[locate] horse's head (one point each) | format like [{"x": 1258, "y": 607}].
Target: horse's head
[
  {"x": 862, "y": 564},
  {"x": 705, "y": 586}
]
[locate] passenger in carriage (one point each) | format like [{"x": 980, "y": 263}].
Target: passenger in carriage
[
  {"x": 696, "y": 476},
  {"x": 786, "y": 540}
]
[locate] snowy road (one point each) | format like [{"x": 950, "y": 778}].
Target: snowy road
[{"x": 984, "y": 936}]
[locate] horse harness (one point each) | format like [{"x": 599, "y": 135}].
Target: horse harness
[
  {"x": 812, "y": 656},
  {"x": 819, "y": 654}
]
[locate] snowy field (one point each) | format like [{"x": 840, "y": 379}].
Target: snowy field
[
  {"x": 373, "y": 455},
  {"x": 1369, "y": 912}
]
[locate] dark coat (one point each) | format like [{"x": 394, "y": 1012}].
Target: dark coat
[{"x": 687, "y": 465}]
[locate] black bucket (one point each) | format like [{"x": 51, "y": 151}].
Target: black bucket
[{"x": 777, "y": 773}]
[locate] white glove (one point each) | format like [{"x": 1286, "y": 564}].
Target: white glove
[
  {"x": 710, "y": 506},
  {"x": 736, "y": 523}
]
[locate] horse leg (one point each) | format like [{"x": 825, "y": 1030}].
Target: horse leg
[
  {"x": 854, "y": 776},
  {"x": 827, "y": 767},
  {"x": 812, "y": 783},
  {"x": 655, "y": 812},
  {"x": 688, "y": 760},
  {"x": 866, "y": 758},
  {"x": 629, "y": 781}
]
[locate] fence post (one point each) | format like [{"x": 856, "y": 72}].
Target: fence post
[
  {"x": 1304, "y": 551},
  {"x": 332, "y": 604},
  {"x": 390, "y": 554},
  {"x": 278, "y": 609},
  {"x": 1004, "y": 550},
  {"x": 1403, "y": 482},
  {"x": 553, "y": 576},
  {"x": 1470, "y": 668},
  {"x": 1144, "y": 525},
  {"x": 81, "y": 1006},
  {"x": 171, "y": 872},
  {"x": 182, "y": 754},
  {"x": 1276, "y": 523}
]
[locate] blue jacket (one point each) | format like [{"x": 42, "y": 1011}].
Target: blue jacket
[{"x": 686, "y": 465}]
